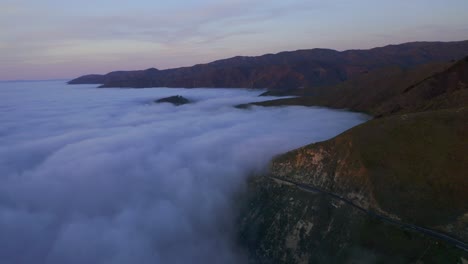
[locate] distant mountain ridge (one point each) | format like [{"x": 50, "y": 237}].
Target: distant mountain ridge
[{"x": 285, "y": 70}]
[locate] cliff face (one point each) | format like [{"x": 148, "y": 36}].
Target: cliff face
[
  {"x": 285, "y": 70},
  {"x": 410, "y": 166},
  {"x": 405, "y": 167}
]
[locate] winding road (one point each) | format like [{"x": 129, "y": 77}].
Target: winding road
[{"x": 458, "y": 243}]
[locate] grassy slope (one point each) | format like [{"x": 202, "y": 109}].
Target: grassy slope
[
  {"x": 364, "y": 92},
  {"x": 392, "y": 90},
  {"x": 416, "y": 164},
  {"x": 444, "y": 90},
  {"x": 411, "y": 166}
]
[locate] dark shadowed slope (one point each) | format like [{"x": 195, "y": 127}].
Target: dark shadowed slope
[
  {"x": 364, "y": 92},
  {"x": 447, "y": 89},
  {"x": 285, "y": 70},
  {"x": 393, "y": 90}
]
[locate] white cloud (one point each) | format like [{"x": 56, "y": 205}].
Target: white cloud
[{"x": 106, "y": 176}]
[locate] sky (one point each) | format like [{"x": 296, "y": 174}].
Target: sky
[{"x": 51, "y": 39}]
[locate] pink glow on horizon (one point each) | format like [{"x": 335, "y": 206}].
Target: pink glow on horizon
[{"x": 51, "y": 39}]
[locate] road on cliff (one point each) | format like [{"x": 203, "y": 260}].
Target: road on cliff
[{"x": 436, "y": 234}]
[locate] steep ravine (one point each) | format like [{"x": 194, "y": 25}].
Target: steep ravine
[{"x": 407, "y": 167}]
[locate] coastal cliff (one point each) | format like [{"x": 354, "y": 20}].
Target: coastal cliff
[
  {"x": 409, "y": 168},
  {"x": 392, "y": 190}
]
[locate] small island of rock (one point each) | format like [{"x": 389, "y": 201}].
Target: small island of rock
[{"x": 175, "y": 100}]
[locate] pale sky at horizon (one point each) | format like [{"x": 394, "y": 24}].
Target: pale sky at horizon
[{"x": 51, "y": 39}]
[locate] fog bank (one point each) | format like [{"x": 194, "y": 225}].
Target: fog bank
[{"x": 106, "y": 176}]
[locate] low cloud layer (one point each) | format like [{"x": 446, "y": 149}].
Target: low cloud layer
[{"x": 105, "y": 176}]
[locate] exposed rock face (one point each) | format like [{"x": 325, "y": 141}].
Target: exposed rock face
[
  {"x": 284, "y": 224},
  {"x": 285, "y": 70},
  {"x": 175, "y": 100},
  {"x": 407, "y": 167}
]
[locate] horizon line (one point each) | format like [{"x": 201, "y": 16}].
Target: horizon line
[{"x": 248, "y": 56}]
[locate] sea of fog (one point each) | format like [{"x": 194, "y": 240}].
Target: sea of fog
[{"x": 93, "y": 175}]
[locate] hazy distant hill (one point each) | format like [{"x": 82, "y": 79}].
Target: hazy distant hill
[{"x": 285, "y": 70}]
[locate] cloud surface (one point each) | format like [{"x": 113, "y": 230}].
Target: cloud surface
[{"x": 105, "y": 176}]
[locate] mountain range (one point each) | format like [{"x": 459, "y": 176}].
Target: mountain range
[{"x": 285, "y": 70}]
